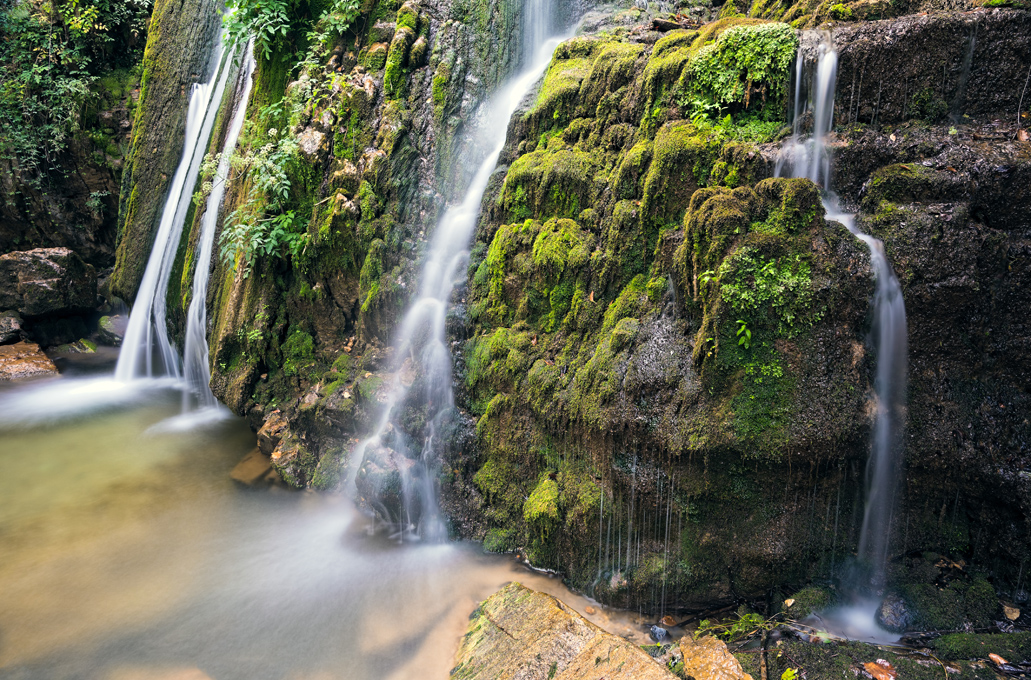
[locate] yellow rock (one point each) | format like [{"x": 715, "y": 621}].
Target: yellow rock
[
  {"x": 520, "y": 633},
  {"x": 710, "y": 659}
]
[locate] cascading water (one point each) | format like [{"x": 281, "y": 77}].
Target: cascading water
[
  {"x": 195, "y": 353},
  {"x": 146, "y": 337},
  {"x": 810, "y": 158},
  {"x": 421, "y": 335}
]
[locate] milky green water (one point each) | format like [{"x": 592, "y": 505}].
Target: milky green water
[{"x": 129, "y": 554}]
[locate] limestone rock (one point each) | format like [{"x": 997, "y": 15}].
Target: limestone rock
[
  {"x": 710, "y": 659},
  {"x": 10, "y": 327},
  {"x": 46, "y": 281},
  {"x": 520, "y": 633},
  {"x": 23, "y": 360}
]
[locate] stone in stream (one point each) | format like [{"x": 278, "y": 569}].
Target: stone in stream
[
  {"x": 46, "y": 281},
  {"x": 708, "y": 658},
  {"x": 521, "y": 633},
  {"x": 255, "y": 469},
  {"x": 111, "y": 329},
  {"x": 24, "y": 360},
  {"x": 893, "y": 615}
]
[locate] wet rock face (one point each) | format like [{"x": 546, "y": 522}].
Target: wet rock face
[
  {"x": 46, "y": 282},
  {"x": 520, "y": 633},
  {"x": 177, "y": 55},
  {"x": 930, "y": 66},
  {"x": 24, "y": 360}
]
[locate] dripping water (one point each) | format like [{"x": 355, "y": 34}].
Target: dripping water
[{"x": 810, "y": 158}]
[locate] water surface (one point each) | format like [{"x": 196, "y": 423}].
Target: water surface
[{"x": 126, "y": 551}]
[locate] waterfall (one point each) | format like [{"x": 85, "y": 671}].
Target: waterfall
[
  {"x": 146, "y": 337},
  {"x": 421, "y": 335},
  {"x": 195, "y": 353},
  {"x": 811, "y": 159}
]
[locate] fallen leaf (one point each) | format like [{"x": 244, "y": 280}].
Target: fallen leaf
[
  {"x": 950, "y": 168},
  {"x": 880, "y": 669},
  {"x": 997, "y": 660},
  {"x": 534, "y": 341},
  {"x": 1023, "y": 135},
  {"x": 788, "y": 602},
  {"x": 668, "y": 621},
  {"x": 589, "y": 609},
  {"x": 1012, "y": 613},
  {"x": 591, "y": 298},
  {"x": 891, "y": 137}
]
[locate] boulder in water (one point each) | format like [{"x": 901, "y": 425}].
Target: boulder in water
[
  {"x": 111, "y": 329},
  {"x": 893, "y": 614},
  {"x": 520, "y": 633},
  {"x": 24, "y": 360},
  {"x": 46, "y": 282},
  {"x": 709, "y": 658},
  {"x": 658, "y": 633}
]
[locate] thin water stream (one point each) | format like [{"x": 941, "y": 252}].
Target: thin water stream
[
  {"x": 809, "y": 157},
  {"x": 129, "y": 553}
]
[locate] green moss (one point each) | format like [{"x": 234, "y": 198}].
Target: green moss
[
  {"x": 394, "y": 77},
  {"x": 408, "y": 17},
  {"x": 1014, "y": 647},
  {"x": 298, "y": 352},
  {"x": 542, "y": 505},
  {"x": 808, "y": 600},
  {"x": 624, "y": 333}
]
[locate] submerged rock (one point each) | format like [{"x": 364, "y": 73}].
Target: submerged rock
[
  {"x": 710, "y": 659},
  {"x": 520, "y": 633},
  {"x": 46, "y": 281},
  {"x": 24, "y": 360}
]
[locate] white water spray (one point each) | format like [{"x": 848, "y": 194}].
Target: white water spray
[
  {"x": 421, "y": 335},
  {"x": 195, "y": 353},
  {"x": 146, "y": 350},
  {"x": 810, "y": 159}
]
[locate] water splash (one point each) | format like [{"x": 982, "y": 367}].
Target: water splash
[
  {"x": 411, "y": 501},
  {"x": 810, "y": 158},
  {"x": 195, "y": 352},
  {"x": 146, "y": 350}
]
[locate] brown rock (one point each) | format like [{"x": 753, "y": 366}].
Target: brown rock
[
  {"x": 255, "y": 469},
  {"x": 520, "y": 633},
  {"x": 46, "y": 281},
  {"x": 709, "y": 658},
  {"x": 22, "y": 360},
  {"x": 272, "y": 431}
]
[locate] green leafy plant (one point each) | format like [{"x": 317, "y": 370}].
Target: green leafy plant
[
  {"x": 746, "y": 625},
  {"x": 743, "y": 58},
  {"x": 744, "y": 334},
  {"x": 51, "y": 54}
]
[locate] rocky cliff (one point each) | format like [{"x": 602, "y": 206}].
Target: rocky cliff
[{"x": 663, "y": 368}]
